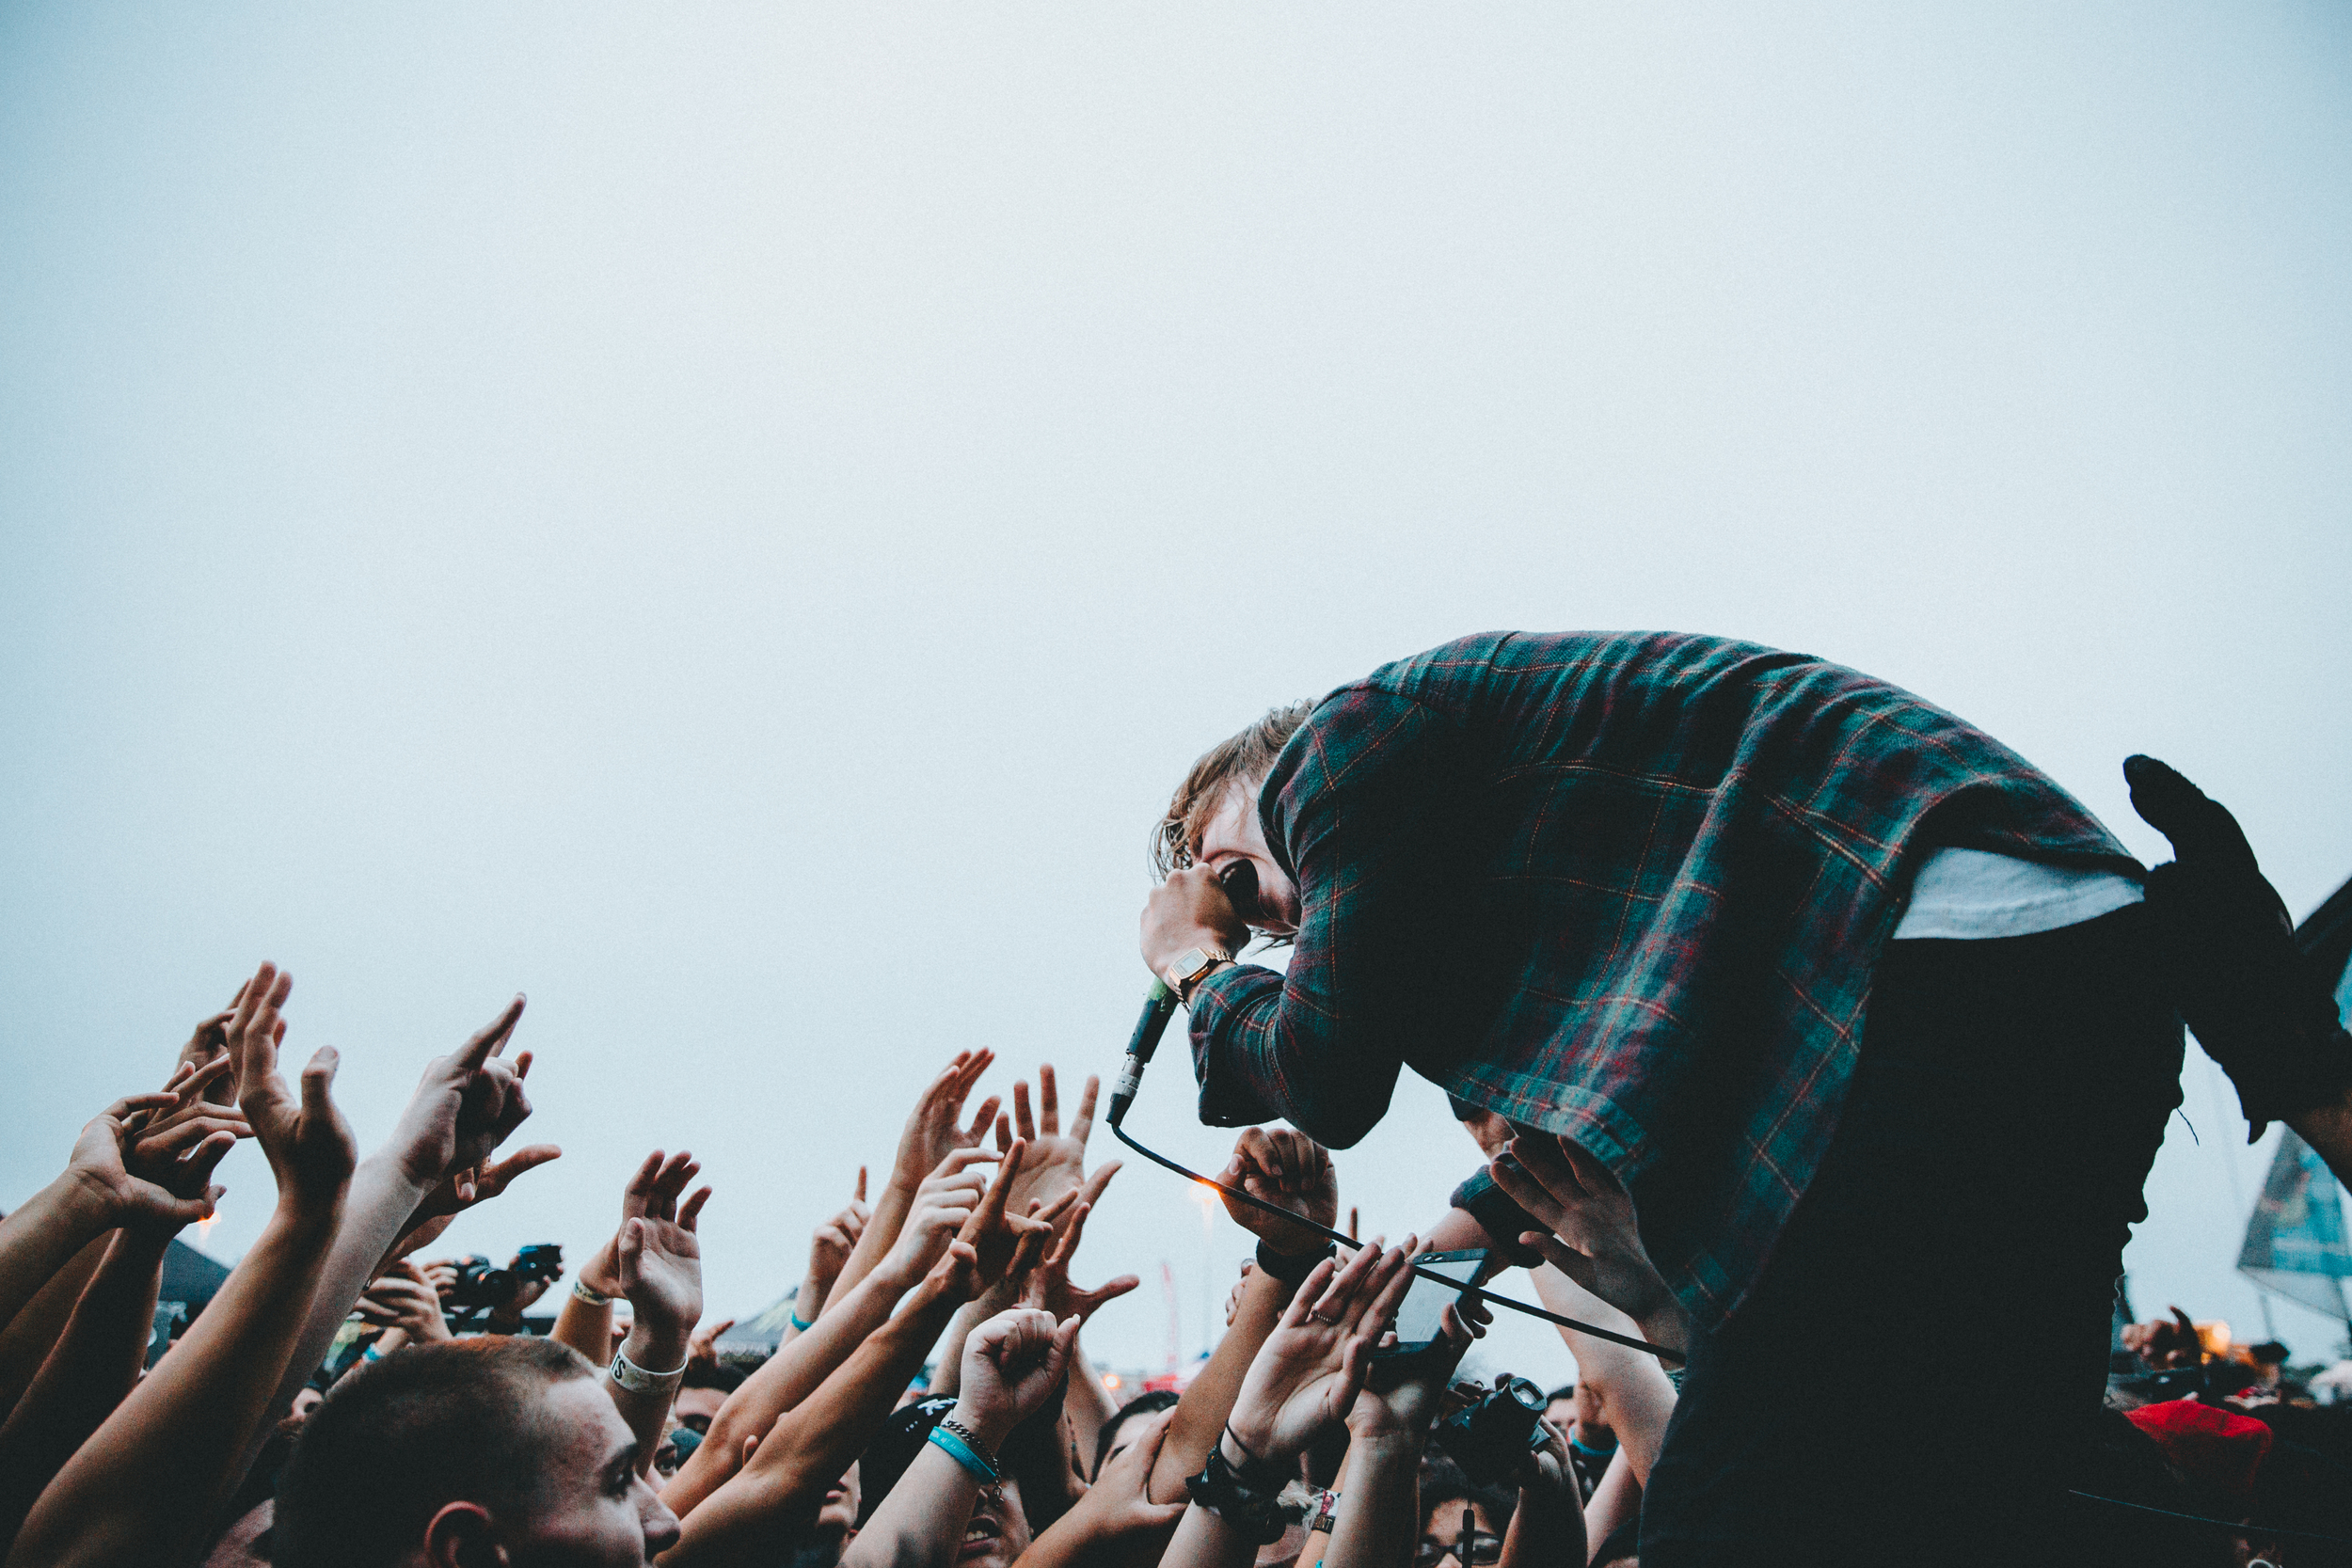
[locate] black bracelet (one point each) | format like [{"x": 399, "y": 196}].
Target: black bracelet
[
  {"x": 1254, "y": 1472},
  {"x": 1225, "y": 1492},
  {"x": 1293, "y": 1267}
]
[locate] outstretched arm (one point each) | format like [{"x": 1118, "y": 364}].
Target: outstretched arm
[
  {"x": 755, "y": 1511},
  {"x": 1291, "y": 1171},
  {"x": 944, "y": 1202},
  {"x": 145, "y": 1487},
  {"x": 933, "y": 1132},
  {"x": 661, "y": 1273},
  {"x": 98, "y": 1358},
  {"x": 1590, "y": 1233},
  {"x": 1305, "y": 1378},
  {"x": 1114, "y": 1518},
  {"x": 27, "y": 1340},
  {"x": 463, "y": 1108},
  {"x": 1386, "y": 1432},
  {"x": 1013, "y": 1362},
  {"x": 1640, "y": 1396},
  {"x": 759, "y": 1508},
  {"x": 97, "y": 1190}
]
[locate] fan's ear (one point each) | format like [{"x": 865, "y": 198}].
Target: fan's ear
[{"x": 462, "y": 1535}]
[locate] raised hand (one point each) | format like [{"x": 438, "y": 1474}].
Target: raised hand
[
  {"x": 466, "y": 1188},
  {"x": 1593, "y": 1236},
  {"x": 992, "y": 1245},
  {"x": 1308, "y": 1373},
  {"x": 1118, "y": 1504},
  {"x": 652, "y": 1191},
  {"x": 1407, "y": 1410},
  {"x": 943, "y": 1205},
  {"x": 2226, "y": 950},
  {"x": 465, "y": 1106},
  {"x": 661, "y": 1264},
  {"x": 830, "y": 1247},
  {"x": 1291, "y": 1171},
  {"x": 177, "y": 1145},
  {"x": 403, "y": 1299},
  {"x": 1012, "y": 1363},
  {"x": 308, "y": 1142},
  {"x": 1057, "y": 1163},
  {"x": 702, "y": 1347},
  {"x": 932, "y": 1131},
  {"x": 2166, "y": 1342},
  {"x": 209, "y": 1043},
  {"x": 1049, "y": 1289},
  {"x": 100, "y": 1167}
]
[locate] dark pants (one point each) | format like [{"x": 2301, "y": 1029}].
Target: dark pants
[{"x": 1912, "y": 1378}]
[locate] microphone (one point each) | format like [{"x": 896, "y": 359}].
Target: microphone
[{"x": 1159, "y": 1006}]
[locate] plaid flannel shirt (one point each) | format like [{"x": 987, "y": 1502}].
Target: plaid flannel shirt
[{"x": 1625, "y": 887}]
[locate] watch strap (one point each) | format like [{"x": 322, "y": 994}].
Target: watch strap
[{"x": 1183, "y": 984}]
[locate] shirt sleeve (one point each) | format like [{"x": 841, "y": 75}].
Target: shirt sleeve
[
  {"x": 1354, "y": 809},
  {"x": 1498, "y": 1214}
]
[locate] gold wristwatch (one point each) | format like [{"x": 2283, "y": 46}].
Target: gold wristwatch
[{"x": 1191, "y": 967}]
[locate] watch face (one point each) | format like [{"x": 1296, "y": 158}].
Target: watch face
[{"x": 1192, "y": 961}]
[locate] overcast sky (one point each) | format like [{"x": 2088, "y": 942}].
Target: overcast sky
[{"x": 732, "y": 520}]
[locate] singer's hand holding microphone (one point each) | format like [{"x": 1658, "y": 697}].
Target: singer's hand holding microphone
[{"x": 1190, "y": 909}]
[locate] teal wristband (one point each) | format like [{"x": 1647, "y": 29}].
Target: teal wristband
[
  {"x": 798, "y": 1326},
  {"x": 965, "y": 1455}
]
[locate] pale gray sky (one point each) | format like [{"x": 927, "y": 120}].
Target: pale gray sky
[{"x": 732, "y": 520}]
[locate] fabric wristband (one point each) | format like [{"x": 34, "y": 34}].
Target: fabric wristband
[
  {"x": 964, "y": 1454},
  {"x": 1291, "y": 1268},
  {"x": 798, "y": 1326},
  {"x": 594, "y": 1298},
  {"x": 637, "y": 1380}
]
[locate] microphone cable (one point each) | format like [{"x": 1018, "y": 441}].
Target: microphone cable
[{"x": 1159, "y": 1006}]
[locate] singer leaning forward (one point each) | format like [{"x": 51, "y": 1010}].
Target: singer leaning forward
[{"x": 1875, "y": 1026}]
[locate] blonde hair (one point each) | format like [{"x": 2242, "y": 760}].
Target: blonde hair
[{"x": 1243, "y": 761}]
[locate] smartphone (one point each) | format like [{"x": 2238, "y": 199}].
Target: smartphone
[{"x": 1422, "y": 1317}]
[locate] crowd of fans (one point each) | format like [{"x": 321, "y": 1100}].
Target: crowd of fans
[{"x": 342, "y": 1402}]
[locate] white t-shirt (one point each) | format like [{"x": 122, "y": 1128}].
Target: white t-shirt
[{"x": 1973, "y": 894}]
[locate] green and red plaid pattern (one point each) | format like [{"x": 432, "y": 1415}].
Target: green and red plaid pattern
[{"x": 1629, "y": 887}]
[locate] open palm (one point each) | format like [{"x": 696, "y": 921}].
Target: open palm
[
  {"x": 661, "y": 1270},
  {"x": 1594, "y": 1238},
  {"x": 309, "y": 1143},
  {"x": 1057, "y": 1159},
  {"x": 1309, "y": 1372}
]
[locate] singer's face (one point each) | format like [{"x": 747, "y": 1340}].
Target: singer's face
[{"x": 1232, "y": 849}]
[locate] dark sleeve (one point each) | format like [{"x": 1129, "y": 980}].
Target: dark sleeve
[
  {"x": 1352, "y": 808},
  {"x": 1499, "y": 1215}
]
